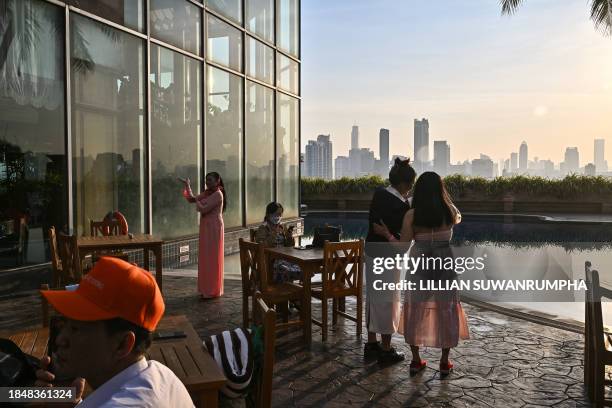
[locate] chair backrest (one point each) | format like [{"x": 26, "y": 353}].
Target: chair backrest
[
  {"x": 56, "y": 262},
  {"x": 71, "y": 261},
  {"x": 262, "y": 314},
  {"x": 251, "y": 265},
  {"x": 343, "y": 264},
  {"x": 252, "y": 234},
  {"x": 104, "y": 228},
  {"x": 594, "y": 305},
  {"x": 326, "y": 233}
]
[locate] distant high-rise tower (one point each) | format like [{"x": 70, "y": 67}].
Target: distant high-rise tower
[
  {"x": 355, "y": 137},
  {"x": 342, "y": 167},
  {"x": 599, "y": 156},
  {"x": 572, "y": 160},
  {"x": 421, "y": 144},
  {"x": 318, "y": 160},
  {"x": 441, "y": 159},
  {"x": 523, "y": 158},
  {"x": 383, "y": 141},
  {"x": 513, "y": 162}
]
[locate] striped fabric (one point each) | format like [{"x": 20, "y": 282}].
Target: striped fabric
[{"x": 233, "y": 352}]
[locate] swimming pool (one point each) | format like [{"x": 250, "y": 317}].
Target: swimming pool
[{"x": 532, "y": 247}]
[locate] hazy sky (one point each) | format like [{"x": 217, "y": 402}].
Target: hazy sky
[{"x": 486, "y": 82}]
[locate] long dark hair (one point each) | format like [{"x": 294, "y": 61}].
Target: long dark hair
[
  {"x": 217, "y": 177},
  {"x": 271, "y": 208},
  {"x": 401, "y": 172},
  {"x": 431, "y": 202}
]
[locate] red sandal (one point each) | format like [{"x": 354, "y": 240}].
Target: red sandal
[
  {"x": 445, "y": 369},
  {"x": 416, "y": 366}
]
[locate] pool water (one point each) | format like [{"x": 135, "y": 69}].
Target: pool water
[{"x": 529, "y": 247}]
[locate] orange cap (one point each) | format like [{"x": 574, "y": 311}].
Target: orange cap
[{"x": 114, "y": 288}]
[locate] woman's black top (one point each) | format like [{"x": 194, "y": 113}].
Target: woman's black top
[{"x": 390, "y": 209}]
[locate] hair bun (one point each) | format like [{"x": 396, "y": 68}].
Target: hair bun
[
  {"x": 401, "y": 163},
  {"x": 398, "y": 161}
]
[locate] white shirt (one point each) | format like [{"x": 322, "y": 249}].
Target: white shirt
[
  {"x": 146, "y": 383},
  {"x": 396, "y": 193}
]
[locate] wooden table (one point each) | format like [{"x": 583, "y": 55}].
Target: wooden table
[
  {"x": 146, "y": 242},
  {"x": 311, "y": 262},
  {"x": 186, "y": 357}
]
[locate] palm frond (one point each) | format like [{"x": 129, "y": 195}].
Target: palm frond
[
  {"x": 510, "y": 6},
  {"x": 601, "y": 14}
]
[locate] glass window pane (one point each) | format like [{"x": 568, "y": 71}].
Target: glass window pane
[
  {"x": 288, "y": 74},
  {"x": 224, "y": 138},
  {"x": 260, "y": 61},
  {"x": 175, "y": 140},
  {"x": 288, "y": 153},
  {"x": 231, "y": 9},
  {"x": 289, "y": 26},
  {"x": 224, "y": 45},
  {"x": 107, "y": 84},
  {"x": 177, "y": 22},
  {"x": 259, "y": 141},
  {"x": 260, "y": 18},
  {"x": 32, "y": 132},
  {"x": 129, "y": 13}
]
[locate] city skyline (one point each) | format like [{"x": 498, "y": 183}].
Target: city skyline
[
  {"x": 543, "y": 75},
  {"x": 318, "y": 160}
]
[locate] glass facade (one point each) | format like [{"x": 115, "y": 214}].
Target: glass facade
[
  {"x": 259, "y": 150},
  {"x": 210, "y": 85}
]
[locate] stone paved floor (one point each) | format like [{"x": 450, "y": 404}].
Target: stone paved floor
[{"x": 507, "y": 362}]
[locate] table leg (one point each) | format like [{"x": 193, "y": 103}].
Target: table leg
[
  {"x": 308, "y": 273},
  {"x": 209, "y": 398},
  {"x": 158, "y": 266}
]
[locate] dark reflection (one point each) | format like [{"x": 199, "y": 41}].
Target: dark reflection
[
  {"x": 129, "y": 13},
  {"x": 107, "y": 124},
  {"x": 32, "y": 154},
  {"x": 175, "y": 140}
]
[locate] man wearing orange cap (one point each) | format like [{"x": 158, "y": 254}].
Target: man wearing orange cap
[{"x": 109, "y": 321}]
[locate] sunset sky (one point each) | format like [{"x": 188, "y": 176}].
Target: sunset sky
[{"x": 486, "y": 82}]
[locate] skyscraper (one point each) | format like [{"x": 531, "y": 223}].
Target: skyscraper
[
  {"x": 523, "y": 158},
  {"x": 441, "y": 159},
  {"x": 513, "y": 162},
  {"x": 599, "y": 156},
  {"x": 355, "y": 137},
  {"x": 342, "y": 167},
  {"x": 318, "y": 160},
  {"x": 572, "y": 160},
  {"x": 421, "y": 144},
  {"x": 383, "y": 142}
]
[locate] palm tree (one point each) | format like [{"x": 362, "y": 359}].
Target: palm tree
[{"x": 601, "y": 12}]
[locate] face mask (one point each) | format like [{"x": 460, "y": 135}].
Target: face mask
[{"x": 275, "y": 219}]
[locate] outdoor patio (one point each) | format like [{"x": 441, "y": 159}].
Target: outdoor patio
[{"x": 507, "y": 362}]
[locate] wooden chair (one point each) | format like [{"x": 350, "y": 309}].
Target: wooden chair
[
  {"x": 249, "y": 269},
  {"x": 252, "y": 234},
  {"x": 56, "y": 262},
  {"x": 262, "y": 314},
  {"x": 342, "y": 276},
  {"x": 71, "y": 271},
  {"x": 277, "y": 294},
  {"x": 598, "y": 351},
  {"x": 104, "y": 229}
]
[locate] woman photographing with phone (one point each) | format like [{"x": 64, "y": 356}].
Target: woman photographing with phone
[{"x": 210, "y": 203}]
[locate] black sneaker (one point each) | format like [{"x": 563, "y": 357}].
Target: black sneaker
[
  {"x": 371, "y": 350},
  {"x": 390, "y": 356}
]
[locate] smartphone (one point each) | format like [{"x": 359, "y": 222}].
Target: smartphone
[{"x": 165, "y": 335}]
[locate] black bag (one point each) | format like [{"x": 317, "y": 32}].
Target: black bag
[
  {"x": 326, "y": 233},
  {"x": 17, "y": 369}
]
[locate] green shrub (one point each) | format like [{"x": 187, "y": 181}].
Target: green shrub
[{"x": 459, "y": 186}]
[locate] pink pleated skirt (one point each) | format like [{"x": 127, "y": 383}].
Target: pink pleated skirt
[{"x": 438, "y": 324}]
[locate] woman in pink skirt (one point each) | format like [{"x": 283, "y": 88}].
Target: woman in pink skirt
[
  {"x": 211, "y": 203},
  {"x": 431, "y": 318}
]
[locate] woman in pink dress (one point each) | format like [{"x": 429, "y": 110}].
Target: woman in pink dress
[
  {"x": 211, "y": 203},
  {"x": 431, "y": 318}
]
